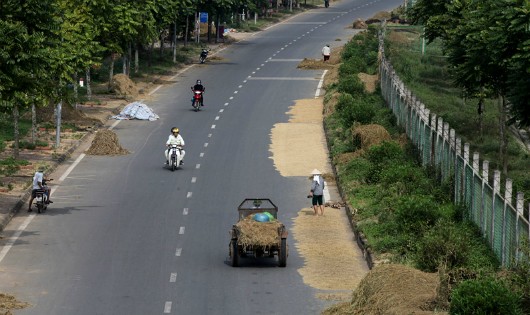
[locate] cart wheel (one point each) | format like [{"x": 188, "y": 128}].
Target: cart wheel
[
  {"x": 282, "y": 255},
  {"x": 234, "y": 255}
]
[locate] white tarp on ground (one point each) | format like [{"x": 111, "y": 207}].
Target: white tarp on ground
[{"x": 137, "y": 110}]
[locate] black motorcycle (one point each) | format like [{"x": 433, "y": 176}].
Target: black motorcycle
[
  {"x": 41, "y": 197},
  {"x": 204, "y": 54}
]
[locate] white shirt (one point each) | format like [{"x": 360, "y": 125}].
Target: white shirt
[
  {"x": 36, "y": 179},
  {"x": 175, "y": 140},
  {"x": 326, "y": 51}
]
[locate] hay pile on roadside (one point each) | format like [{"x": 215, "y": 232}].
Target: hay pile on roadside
[
  {"x": 392, "y": 289},
  {"x": 359, "y": 24},
  {"x": 8, "y": 303},
  {"x": 122, "y": 85},
  {"x": 106, "y": 143},
  {"x": 258, "y": 233},
  {"x": 365, "y": 136}
]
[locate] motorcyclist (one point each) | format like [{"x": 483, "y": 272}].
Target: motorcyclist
[
  {"x": 175, "y": 138},
  {"x": 39, "y": 180},
  {"x": 199, "y": 87}
]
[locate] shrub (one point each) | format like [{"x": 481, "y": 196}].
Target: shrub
[
  {"x": 354, "y": 110},
  {"x": 414, "y": 214},
  {"x": 382, "y": 155},
  {"x": 453, "y": 245},
  {"x": 351, "y": 84},
  {"x": 484, "y": 296}
]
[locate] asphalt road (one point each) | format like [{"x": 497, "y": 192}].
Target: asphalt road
[{"x": 127, "y": 236}]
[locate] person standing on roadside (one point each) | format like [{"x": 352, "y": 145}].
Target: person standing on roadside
[
  {"x": 326, "y": 52},
  {"x": 317, "y": 191}
]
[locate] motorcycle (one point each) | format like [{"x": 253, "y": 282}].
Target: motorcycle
[
  {"x": 204, "y": 54},
  {"x": 41, "y": 198},
  {"x": 175, "y": 156},
  {"x": 196, "y": 101}
]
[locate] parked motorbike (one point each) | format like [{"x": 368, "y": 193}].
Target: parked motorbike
[
  {"x": 175, "y": 156},
  {"x": 196, "y": 101},
  {"x": 204, "y": 54},
  {"x": 41, "y": 198}
]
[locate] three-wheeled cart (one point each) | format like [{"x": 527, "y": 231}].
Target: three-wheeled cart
[{"x": 250, "y": 238}]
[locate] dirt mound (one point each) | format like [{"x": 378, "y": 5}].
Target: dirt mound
[
  {"x": 122, "y": 85},
  {"x": 382, "y": 15},
  {"x": 365, "y": 136},
  {"x": 8, "y": 303},
  {"x": 392, "y": 290},
  {"x": 106, "y": 143},
  {"x": 69, "y": 114}
]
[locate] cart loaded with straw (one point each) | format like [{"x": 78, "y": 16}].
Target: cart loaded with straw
[{"x": 258, "y": 233}]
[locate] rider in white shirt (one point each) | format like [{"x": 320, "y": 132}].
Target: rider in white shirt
[{"x": 175, "y": 138}]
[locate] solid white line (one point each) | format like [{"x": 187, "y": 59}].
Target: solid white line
[
  {"x": 320, "y": 83},
  {"x": 154, "y": 90},
  {"x": 114, "y": 124},
  {"x": 79, "y": 158},
  {"x": 15, "y": 236}
]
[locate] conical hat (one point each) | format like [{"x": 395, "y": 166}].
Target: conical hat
[{"x": 316, "y": 172}]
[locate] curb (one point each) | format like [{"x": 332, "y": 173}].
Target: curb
[{"x": 359, "y": 237}]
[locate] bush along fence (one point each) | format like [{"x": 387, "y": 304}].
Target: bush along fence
[{"x": 504, "y": 224}]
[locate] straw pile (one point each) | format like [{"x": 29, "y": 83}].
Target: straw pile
[
  {"x": 392, "y": 289},
  {"x": 8, "y": 303},
  {"x": 106, "y": 143},
  {"x": 365, "y": 136},
  {"x": 258, "y": 233}
]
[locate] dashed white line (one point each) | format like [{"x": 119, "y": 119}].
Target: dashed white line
[
  {"x": 194, "y": 180},
  {"x": 213, "y": 127},
  {"x": 202, "y": 154},
  {"x": 189, "y": 194},
  {"x": 217, "y": 118},
  {"x": 181, "y": 230},
  {"x": 221, "y": 110},
  {"x": 205, "y": 144},
  {"x": 173, "y": 277},
  {"x": 197, "y": 166},
  {"x": 185, "y": 211},
  {"x": 167, "y": 307}
]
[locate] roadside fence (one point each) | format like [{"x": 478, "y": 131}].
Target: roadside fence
[{"x": 503, "y": 221}]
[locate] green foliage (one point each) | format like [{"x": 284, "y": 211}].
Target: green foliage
[
  {"x": 10, "y": 166},
  {"x": 484, "y": 296},
  {"x": 454, "y": 245},
  {"x": 355, "y": 110},
  {"x": 351, "y": 84},
  {"x": 386, "y": 153}
]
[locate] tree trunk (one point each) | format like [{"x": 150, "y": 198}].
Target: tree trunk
[
  {"x": 150, "y": 58},
  {"x": 174, "y": 41},
  {"x": 136, "y": 60},
  {"x": 124, "y": 66},
  {"x": 480, "y": 111},
  {"x": 187, "y": 31},
  {"x": 111, "y": 71},
  {"x": 76, "y": 92},
  {"x": 88, "y": 88},
  {"x": 16, "y": 132},
  {"x": 33, "y": 122},
  {"x": 503, "y": 135},
  {"x": 129, "y": 57},
  {"x": 161, "y": 51}
]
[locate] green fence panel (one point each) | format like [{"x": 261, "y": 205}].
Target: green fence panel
[
  {"x": 477, "y": 201},
  {"x": 488, "y": 213},
  {"x": 510, "y": 239},
  {"x": 498, "y": 226}
]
